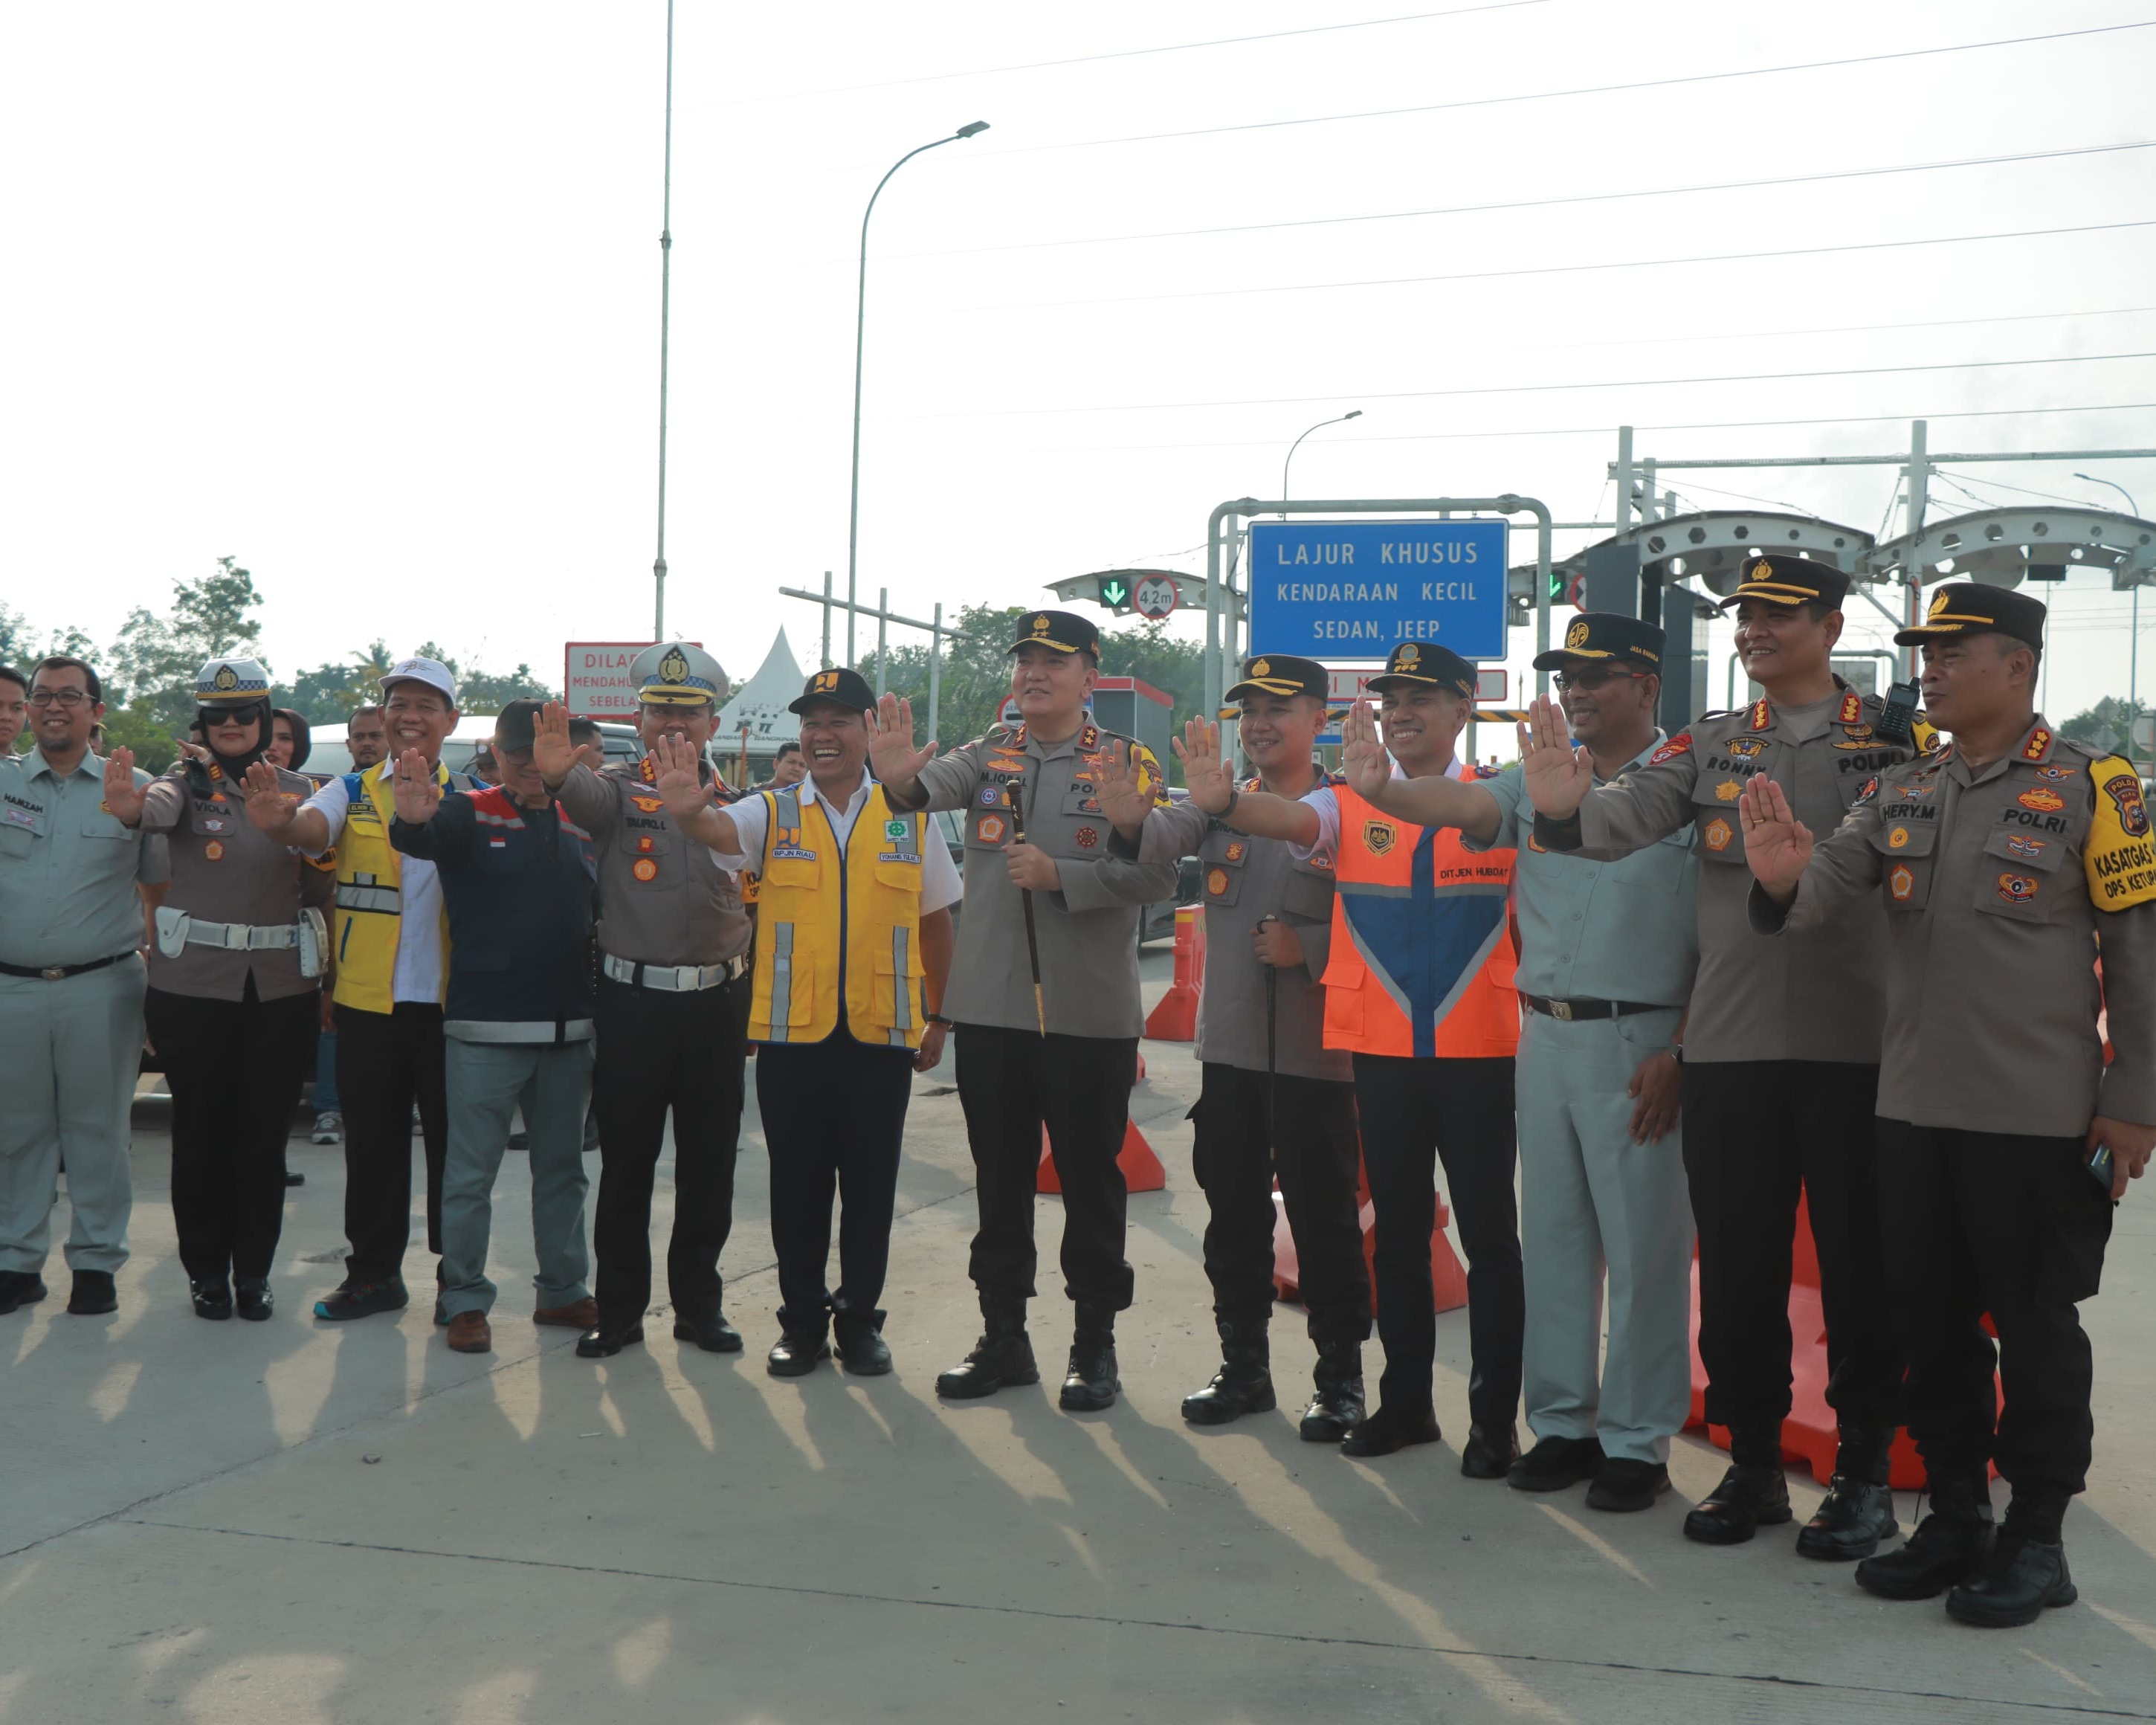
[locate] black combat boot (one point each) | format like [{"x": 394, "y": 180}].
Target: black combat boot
[
  {"x": 1752, "y": 1494},
  {"x": 2025, "y": 1573},
  {"x": 1949, "y": 1546},
  {"x": 1335, "y": 1397},
  {"x": 1091, "y": 1383},
  {"x": 1858, "y": 1510},
  {"x": 1002, "y": 1357},
  {"x": 1244, "y": 1384}
]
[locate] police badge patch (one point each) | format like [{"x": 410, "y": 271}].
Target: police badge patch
[{"x": 1378, "y": 836}]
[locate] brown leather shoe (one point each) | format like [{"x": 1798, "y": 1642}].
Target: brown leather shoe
[
  {"x": 471, "y": 1333},
  {"x": 584, "y": 1315}
]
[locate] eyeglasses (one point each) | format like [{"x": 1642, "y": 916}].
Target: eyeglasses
[
  {"x": 1592, "y": 677},
  {"x": 68, "y": 698}
]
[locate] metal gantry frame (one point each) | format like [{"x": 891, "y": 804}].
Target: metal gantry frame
[
  {"x": 1222, "y": 655},
  {"x": 1914, "y": 558}
]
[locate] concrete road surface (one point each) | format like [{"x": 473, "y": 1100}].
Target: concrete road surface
[{"x": 309, "y": 1525}]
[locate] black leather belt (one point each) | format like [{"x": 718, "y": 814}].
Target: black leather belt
[
  {"x": 1569, "y": 1010},
  {"x": 60, "y": 972}
]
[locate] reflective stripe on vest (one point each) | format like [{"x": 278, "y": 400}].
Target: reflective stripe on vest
[
  {"x": 1422, "y": 959},
  {"x": 835, "y": 923},
  {"x": 369, "y": 897}
]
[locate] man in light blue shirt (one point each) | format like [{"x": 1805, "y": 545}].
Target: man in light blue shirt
[
  {"x": 71, "y": 987},
  {"x": 1607, "y": 955}
]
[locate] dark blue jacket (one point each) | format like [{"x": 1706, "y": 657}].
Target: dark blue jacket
[{"x": 519, "y": 916}]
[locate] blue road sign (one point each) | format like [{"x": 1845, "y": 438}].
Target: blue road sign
[{"x": 1350, "y": 589}]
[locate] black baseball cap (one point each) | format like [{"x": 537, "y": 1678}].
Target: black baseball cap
[
  {"x": 838, "y": 687},
  {"x": 1969, "y": 607},
  {"x": 516, "y": 724},
  {"x": 1282, "y": 674},
  {"x": 1606, "y": 634},
  {"x": 1063, "y": 630},
  {"x": 1790, "y": 580},
  {"x": 1431, "y": 665}
]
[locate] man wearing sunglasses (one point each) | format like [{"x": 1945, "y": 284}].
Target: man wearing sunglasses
[
  {"x": 1607, "y": 953},
  {"x": 1781, "y": 1053}
]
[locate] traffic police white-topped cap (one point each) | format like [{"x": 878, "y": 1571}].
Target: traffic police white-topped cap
[
  {"x": 677, "y": 674},
  {"x": 231, "y": 682}
]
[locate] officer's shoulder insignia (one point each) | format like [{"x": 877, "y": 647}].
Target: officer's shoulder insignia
[
  {"x": 1852, "y": 708},
  {"x": 1090, "y": 737},
  {"x": 2117, "y": 856},
  {"x": 1762, "y": 715},
  {"x": 2038, "y": 746},
  {"x": 1681, "y": 744},
  {"x": 1923, "y": 734},
  {"x": 1378, "y": 836},
  {"x": 1486, "y": 771}
]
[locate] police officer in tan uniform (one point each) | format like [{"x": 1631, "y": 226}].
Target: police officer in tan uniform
[
  {"x": 234, "y": 987},
  {"x": 2006, "y": 865},
  {"x": 672, "y": 1013},
  {"x": 1055, "y": 1043},
  {"x": 1274, "y": 1100},
  {"x": 1800, "y": 1018}
]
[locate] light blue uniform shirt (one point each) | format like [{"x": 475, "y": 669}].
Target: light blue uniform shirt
[
  {"x": 1600, "y": 931},
  {"x": 68, "y": 868}
]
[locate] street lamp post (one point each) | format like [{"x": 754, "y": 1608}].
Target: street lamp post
[
  {"x": 665, "y": 296},
  {"x": 2133, "y": 648},
  {"x": 861, "y": 323},
  {"x": 1352, "y": 414}
]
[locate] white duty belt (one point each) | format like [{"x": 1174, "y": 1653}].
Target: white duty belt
[
  {"x": 178, "y": 930},
  {"x": 674, "y": 978}
]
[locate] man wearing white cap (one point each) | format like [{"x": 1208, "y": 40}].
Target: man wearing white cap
[{"x": 391, "y": 943}]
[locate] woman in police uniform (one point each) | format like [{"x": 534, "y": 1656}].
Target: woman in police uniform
[{"x": 232, "y": 988}]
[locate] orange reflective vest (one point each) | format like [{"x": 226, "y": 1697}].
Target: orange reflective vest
[{"x": 1421, "y": 961}]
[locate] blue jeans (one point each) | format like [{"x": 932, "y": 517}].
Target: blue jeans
[
  {"x": 325, "y": 1096},
  {"x": 486, "y": 1081}
]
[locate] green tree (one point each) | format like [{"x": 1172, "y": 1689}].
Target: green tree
[
  {"x": 2114, "y": 713},
  {"x": 154, "y": 659},
  {"x": 136, "y": 726}
]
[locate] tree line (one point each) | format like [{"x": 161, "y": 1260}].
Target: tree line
[{"x": 149, "y": 670}]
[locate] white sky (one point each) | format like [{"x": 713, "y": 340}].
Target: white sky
[{"x": 368, "y": 296}]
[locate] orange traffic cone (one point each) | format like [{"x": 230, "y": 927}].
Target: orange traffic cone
[
  {"x": 1448, "y": 1276},
  {"x": 1142, "y": 1170},
  {"x": 1175, "y": 1020}
]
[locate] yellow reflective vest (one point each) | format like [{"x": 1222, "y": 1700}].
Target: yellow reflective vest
[
  {"x": 833, "y": 925},
  {"x": 369, "y": 892}
]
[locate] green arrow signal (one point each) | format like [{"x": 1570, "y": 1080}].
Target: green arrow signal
[{"x": 1114, "y": 592}]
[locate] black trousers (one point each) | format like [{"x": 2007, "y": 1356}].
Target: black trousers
[
  {"x": 1757, "y": 1133},
  {"x": 2015, "y": 1226},
  {"x": 1415, "y": 1112},
  {"x": 659, "y": 1051},
  {"x": 833, "y": 1113},
  {"x": 234, "y": 1068},
  {"x": 1011, "y": 1083},
  {"x": 386, "y": 1063},
  {"x": 1309, "y": 1143}
]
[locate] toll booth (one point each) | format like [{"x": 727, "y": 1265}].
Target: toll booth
[{"x": 1134, "y": 707}]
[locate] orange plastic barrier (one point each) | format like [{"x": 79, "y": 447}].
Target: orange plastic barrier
[
  {"x": 1142, "y": 1170},
  {"x": 1175, "y": 1020},
  {"x": 1448, "y": 1276},
  {"x": 1808, "y": 1434}
]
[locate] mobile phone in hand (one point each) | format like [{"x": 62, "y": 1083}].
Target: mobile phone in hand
[{"x": 2099, "y": 1167}]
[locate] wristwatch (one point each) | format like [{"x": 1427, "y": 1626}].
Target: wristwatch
[
  {"x": 937, "y": 1018},
  {"x": 1676, "y": 1052}
]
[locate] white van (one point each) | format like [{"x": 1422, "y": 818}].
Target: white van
[{"x": 329, "y": 758}]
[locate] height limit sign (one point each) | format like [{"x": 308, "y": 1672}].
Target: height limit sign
[
  {"x": 1154, "y": 597},
  {"x": 1353, "y": 589}
]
